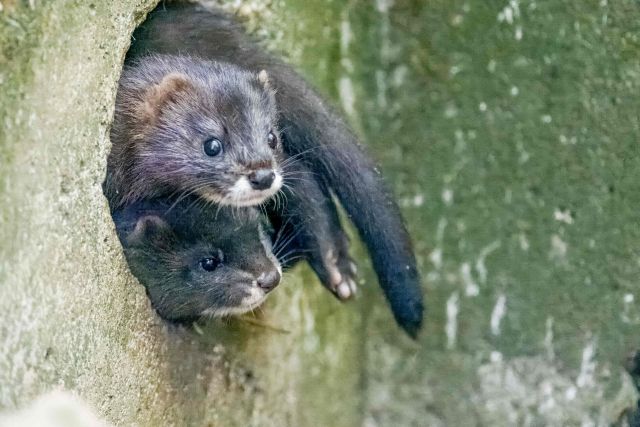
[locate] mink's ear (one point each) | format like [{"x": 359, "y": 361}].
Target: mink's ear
[
  {"x": 150, "y": 229},
  {"x": 263, "y": 78},
  {"x": 168, "y": 90}
]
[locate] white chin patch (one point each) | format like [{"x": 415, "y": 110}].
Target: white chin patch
[
  {"x": 255, "y": 299},
  {"x": 242, "y": 194}
]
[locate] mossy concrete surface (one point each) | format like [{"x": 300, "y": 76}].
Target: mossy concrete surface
[
  {"x": 509, "y": 131},
  {"x": 72, "y": 316}
]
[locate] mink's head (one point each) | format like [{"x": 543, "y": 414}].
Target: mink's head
[
  {"x": 198, "y": 262},
  {"x": 184, "y": 125}
]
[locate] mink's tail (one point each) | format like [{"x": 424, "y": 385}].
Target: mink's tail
[
  {"x": 328, "y": 146},
  {"x": 313, "y": 133}
]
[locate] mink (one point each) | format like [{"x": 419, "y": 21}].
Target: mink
[
  {"x": 311, "y": 132},
  {"x": 197, "y": 259},
  {"x": 189, "y": 126}
]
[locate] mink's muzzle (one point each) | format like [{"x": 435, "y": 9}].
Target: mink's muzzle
[
  {"x": 262, "y": 179},
  {"x": 268, "y": 281}
]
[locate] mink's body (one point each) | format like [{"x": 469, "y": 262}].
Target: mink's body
[{"x": 313, "y": 134}]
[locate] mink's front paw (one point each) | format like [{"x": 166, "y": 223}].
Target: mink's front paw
[{"x": 338, "y": 273}]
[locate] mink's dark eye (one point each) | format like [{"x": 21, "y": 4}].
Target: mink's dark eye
[
  {"x": 212, "y": 147},
  {"x": 209, "y": 264},
  {"x": 212, "y": 262},
  {"x": 272, "y": 140}
]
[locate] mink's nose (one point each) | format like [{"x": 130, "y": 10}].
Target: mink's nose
[
  {"x": 262, "y": 179},
  {"x": 268, "y": 281}
]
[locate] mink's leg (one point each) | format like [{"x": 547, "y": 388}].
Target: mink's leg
[{"x": 307, "y": 226}]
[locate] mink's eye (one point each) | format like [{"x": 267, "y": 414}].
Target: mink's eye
[
  {"x": 212, "y": 262},
  {"x": 272, "y": 140},
  {"x": 212, "y": 147}
]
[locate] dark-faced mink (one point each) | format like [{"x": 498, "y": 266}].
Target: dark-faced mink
[
  {"x": 311, "y": 133},
  {"x": 198, "y": 260}
]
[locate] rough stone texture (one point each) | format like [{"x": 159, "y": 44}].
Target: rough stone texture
[
  {"x": 509, "y": 132},
  {"x": 73, "y": 317}
]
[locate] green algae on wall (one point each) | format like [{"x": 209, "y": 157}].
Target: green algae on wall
[
  {"x": 508, "y": 130},
  {"x": 73, "y": 316}
]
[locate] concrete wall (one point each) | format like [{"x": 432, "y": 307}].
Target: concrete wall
[{"x": 509, "y": 131}]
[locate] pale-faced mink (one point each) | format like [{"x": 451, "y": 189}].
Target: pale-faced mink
[
  {"x": 198, "y": 260},
  {"x": 190, "y": 126},
  {"x": 311, "y": 133}
]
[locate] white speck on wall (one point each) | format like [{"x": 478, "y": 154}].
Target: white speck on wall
[
  {"x": 546, "y": 390},
  {"x": 383, "y": 6},
  {"x": 514, "y": 91},
  {"x": 345, "y": 84},
  {"x": 586, "y": 377},
  {"x": 418, "y": 200},
  {"x": 564, "y": 140},
  {"x": 450, "y": 111},
  {"x": 346, "y": 36},
  {"x": 558, "y": 248},
  {"x": 346, "y": 92},
  {"x": 506, "y": 15},
  {"x": 548, "y": 338},
  {"x": 471, "y": 288},
  {"x": 495, "y": 357},
  {"x": 510, "y": 12},
  {"x": 563, "y": 216},
  {"x": 436, "y": 258},
  {"x": 451, "y": 327},
  {"x": 571, "y": 393},
  {"x": 447, "y": 196},
  {"x": 454, "y": 70},
  {"x": 481, "y": 267},
  {"x": 491, "y": 66},
  {"x": 524, "y": 242},
  {"x": 508, "y": 196},
  {"x": 546, "y": 119},
  {"x": 482, "y": 106},
  {"x": 498, "y": 313},
  {"x": 399, "y": 75},
  {"x": 518, "y": 33},
  {"x": 629, "y": 314},
  {"x": 369, "y": 421}
]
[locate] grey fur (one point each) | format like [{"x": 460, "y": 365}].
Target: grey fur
[{"x": 157, "y": 149}]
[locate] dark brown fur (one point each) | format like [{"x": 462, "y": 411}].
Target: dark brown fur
[{"x": 312, "y": 133}]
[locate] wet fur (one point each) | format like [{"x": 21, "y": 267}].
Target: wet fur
[{"x": 312, "y": 133}]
